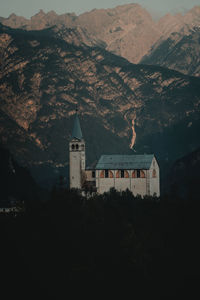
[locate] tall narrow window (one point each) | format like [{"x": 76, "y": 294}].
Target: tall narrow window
[
  {"x": 111, "y": 174},
  {"x": 106, "y": 173},
  {"x": 122, "y": 173},
  {"x": 133, "y": 174},
  {"x": 73, "y": 146},
  {"x": 138, "y": 173},
  {"x": 76, "y": 146},
  {"x": 93, "y": 174},
  {"x": 126, "y": 174},
  {"x": 102, "y": 174}
]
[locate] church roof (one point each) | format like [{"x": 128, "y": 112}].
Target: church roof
[
  {"x": 77, "y": 133},
  {"x": 128, "y": 162}
]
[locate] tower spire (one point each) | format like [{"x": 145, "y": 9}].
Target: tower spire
[{"x": 77, "y": 132}]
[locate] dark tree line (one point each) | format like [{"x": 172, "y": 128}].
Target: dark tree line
[{"x": 109, "y": 237}]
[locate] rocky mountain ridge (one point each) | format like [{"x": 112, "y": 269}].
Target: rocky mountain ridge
[
  {"x": 44, "y": 77},
  {"x": 178, "y": 52},
  {"x": 127, "y": 30},
  {"x": 178, "y": 47}
]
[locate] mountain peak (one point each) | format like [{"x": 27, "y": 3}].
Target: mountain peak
[
  {"x": 195, "y": 10},
  {"x": 13, "y": 15},
  {"x": 41, "y": 12},
  {"x": 52, "y": 13}
]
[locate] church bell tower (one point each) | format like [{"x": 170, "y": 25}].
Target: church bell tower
[{"x": 76, "y": 155}]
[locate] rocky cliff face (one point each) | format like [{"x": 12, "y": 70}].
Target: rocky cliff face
[
  {"x": 127, "y": 30},
  {"x": 178, "y": 52},
  {"x": 44, "y": 76},
  {"x": 178, "y": 47},
  {"x": 182, "y": 24}
]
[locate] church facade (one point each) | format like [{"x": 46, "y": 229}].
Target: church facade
[{"x": 138, "y": 173}]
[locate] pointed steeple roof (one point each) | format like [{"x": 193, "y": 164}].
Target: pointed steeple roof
[{"x": 77, "y": 133}]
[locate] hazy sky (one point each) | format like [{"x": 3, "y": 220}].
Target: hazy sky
[{"x": 28, "y": 8}]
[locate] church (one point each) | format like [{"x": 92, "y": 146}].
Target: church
[{"x": 137, "y": 173}]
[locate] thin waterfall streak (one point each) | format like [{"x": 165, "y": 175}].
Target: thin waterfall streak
[{"x": 133, "y": 134}]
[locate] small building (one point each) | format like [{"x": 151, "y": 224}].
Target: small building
[{"x": 138, "y": 173}]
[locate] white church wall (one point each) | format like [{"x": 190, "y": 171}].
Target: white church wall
[
  {"x": 75, "y": 170},
  {"x": 138, "y": 186},
  {"x": 104, "y": 184},
  {"x": 76, "y": 162},
  {"x": 121, "y": 184},
  {"x": 154, "y": 179},
  {"x": 83, "y": 160}
]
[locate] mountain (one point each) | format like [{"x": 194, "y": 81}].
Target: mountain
[
  {"x": 178, "y": 47},
  {"x": 128, "y": 31},
  {"x": 178, "y": 52},
  {"x": 39, "y": 21},
  {"x": 179, "y": 23},
  {"x": 43, "y": 78}
]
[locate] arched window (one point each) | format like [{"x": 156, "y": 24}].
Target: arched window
[
  {"x": 122, "y": 174},
  {"x": 138, "y": 174},
  {"x": 154, "y": 173},
  {"x": 133, "y": 174},
  {"x": 106, "y": 174},
  {"x": 102, "y": 174},
  {"x": 126, "y": 174},
  {"x": 73, "y": 146},
  {"x": 77, "y": 147},
  {"x": 111, "y": 175}
]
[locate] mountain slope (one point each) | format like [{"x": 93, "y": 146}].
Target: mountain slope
[
  {"x": 178, "y": 52},
  {"x": 44, "y": 77},
  {"x": 178, "y": 46}
]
